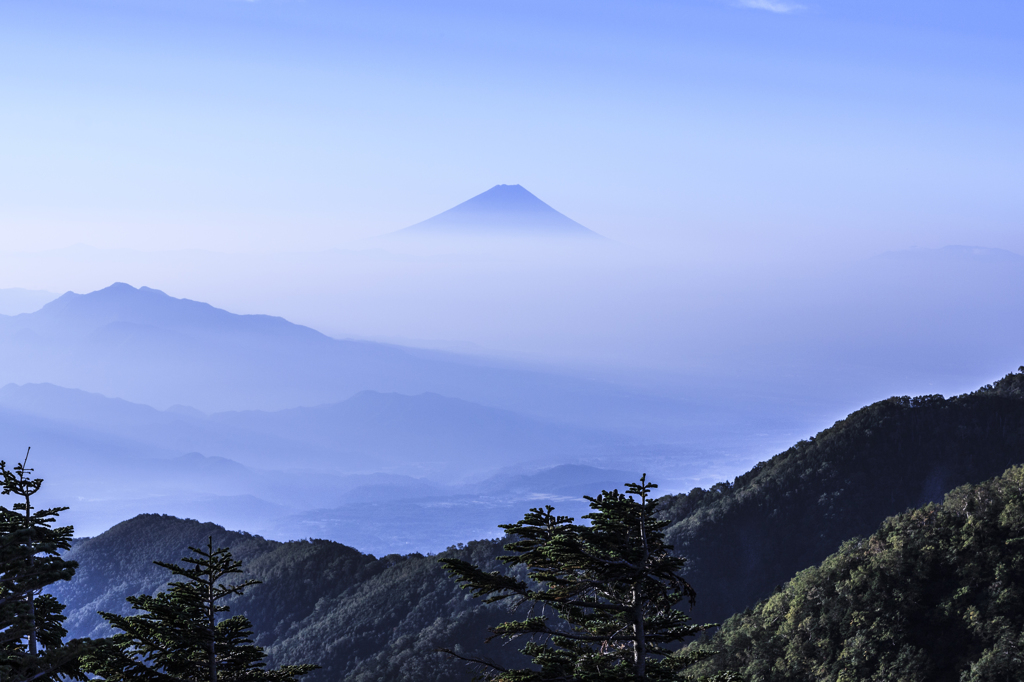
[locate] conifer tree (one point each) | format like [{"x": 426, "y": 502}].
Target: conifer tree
[
  {"x": 180, "y": 636},
  {"x": 604, "y": 598},
  {"x": 31, "y": 623}
]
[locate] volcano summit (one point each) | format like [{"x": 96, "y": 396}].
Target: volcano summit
[{"x": 501, "y": 211}]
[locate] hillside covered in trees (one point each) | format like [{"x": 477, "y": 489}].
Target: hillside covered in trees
[
  {"x": 934, "y": 595},
  {"x": 366, "y": 618},
  {"x": 355, "y": 615},
  {"x": 746, "y": 538}
]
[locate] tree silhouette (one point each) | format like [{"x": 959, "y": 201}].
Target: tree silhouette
[
  {"x": 31, "y": 623},
  {"x": 603, "y": 598},
  {"x": 178, "y": 637}
]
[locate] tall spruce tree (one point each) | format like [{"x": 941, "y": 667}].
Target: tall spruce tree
[
  {"x": 31, "y": 623},
  {"x": 604, "y": 598},
  {"x": 180, "y": 637}
]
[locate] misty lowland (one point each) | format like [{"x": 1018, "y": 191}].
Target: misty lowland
[{"x": 251, "y": 499}]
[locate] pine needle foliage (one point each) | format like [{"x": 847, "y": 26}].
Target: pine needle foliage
[
  {"x": 31, "y": 623},
  {"x": 181, "y": 636},
  {"x": 603, "y": 598}
]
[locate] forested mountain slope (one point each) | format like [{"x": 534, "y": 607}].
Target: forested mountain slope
[
  {"x": 366, "y": 619},
  {"x": 935, "y": 595},
  {"x": 792, "y": 511},
  {"x": 320, "y": 601}
]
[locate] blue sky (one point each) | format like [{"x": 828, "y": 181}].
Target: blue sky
[{"x": 822, "y": 125}]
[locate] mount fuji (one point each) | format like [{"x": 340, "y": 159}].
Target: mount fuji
[{"x": 501, "y": 211}]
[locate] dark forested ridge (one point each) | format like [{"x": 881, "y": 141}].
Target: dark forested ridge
[
  {"x": 792, "y": 511},
  {"x": 364, "y": 618},
  {"x": 933, "y": 596},
  {"x": 360, "y": 617}
]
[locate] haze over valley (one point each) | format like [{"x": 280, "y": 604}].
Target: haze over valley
[
  {"x": 351, "y": 289},
  {"x": 152, "y": 403}
]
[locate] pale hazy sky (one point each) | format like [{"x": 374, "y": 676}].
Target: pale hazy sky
[{"x": 288, "y": 124}]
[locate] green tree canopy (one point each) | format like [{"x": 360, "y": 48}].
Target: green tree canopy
[
  {"x": 180, "y": 636},
  {"x": 31, "y": 623},
  {"x": 936, "y": 594},
  {"x": 604, "y": 599}
]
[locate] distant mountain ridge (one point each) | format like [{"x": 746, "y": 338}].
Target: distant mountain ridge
[
  {"x": 123, "y": 309},
  {"x": 302, "y": 471},
  {"x": 382, "y": 431},
  {"x": 503, "y": 210},
  {"x": 147, "y": 347}
]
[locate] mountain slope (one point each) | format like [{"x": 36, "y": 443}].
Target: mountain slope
[
  {"x": 503, "y": 210},
  {"x": 934, "y": 595},
  {"x": 320, "y": 601},
  {"x": 795, "y": 509},
  {"x": 18, "y": 301}
]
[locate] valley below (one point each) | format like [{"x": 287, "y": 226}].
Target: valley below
[{"x": 412, "y": 451}]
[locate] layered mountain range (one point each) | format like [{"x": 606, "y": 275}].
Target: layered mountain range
[
  {"x": 369, "y": 618},
  {"x": 304, "y": 471},
  {"x": 135, "y": 401},
  {"x": 141, "y": 345}
]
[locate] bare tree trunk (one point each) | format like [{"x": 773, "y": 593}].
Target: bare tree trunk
[
  {"x": 639, "y": 642},
  {"x": 640, "y": 638}
]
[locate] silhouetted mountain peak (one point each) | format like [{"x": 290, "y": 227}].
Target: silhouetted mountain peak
[
  {"x": 503, "y": 210},
  {"x": 123, "y": 304},
  {"x": 120, "y": 302}
]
